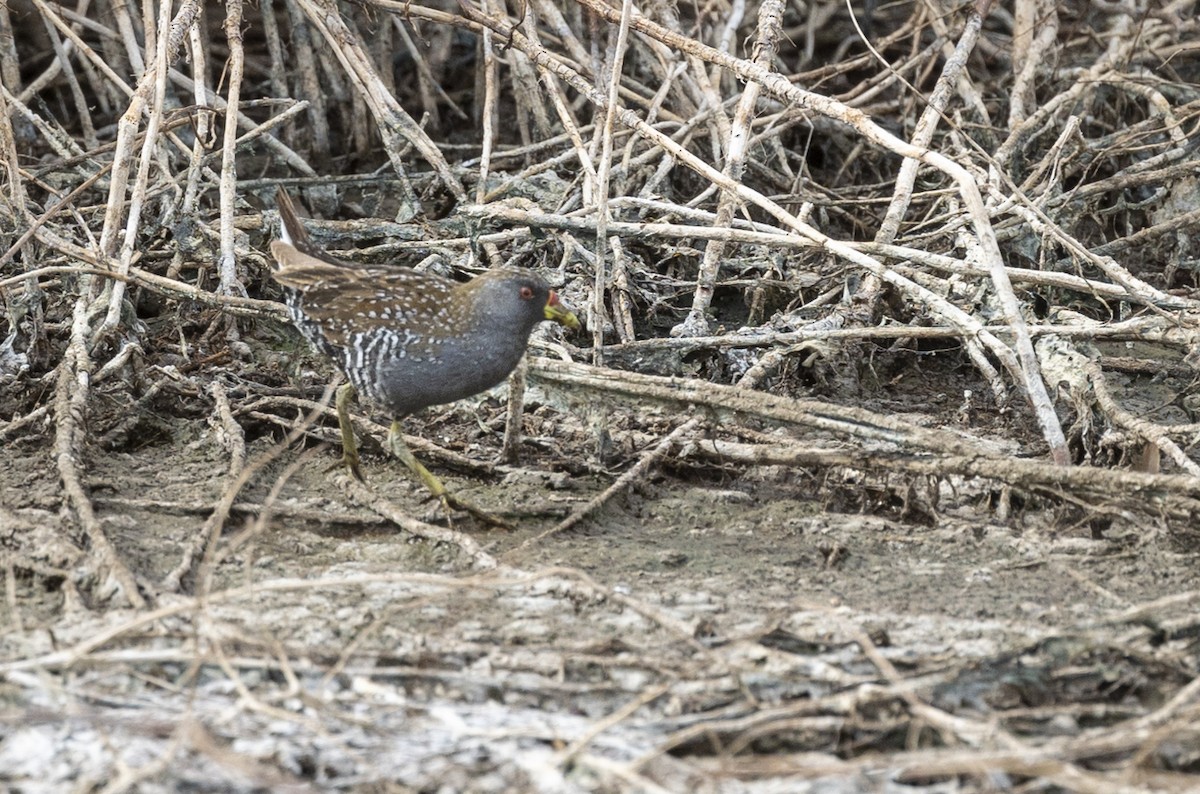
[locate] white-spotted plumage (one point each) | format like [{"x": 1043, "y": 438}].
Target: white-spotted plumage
[{"x": 406, "y": 339}]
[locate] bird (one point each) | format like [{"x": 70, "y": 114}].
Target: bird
[{"x": 406, "y": 340}]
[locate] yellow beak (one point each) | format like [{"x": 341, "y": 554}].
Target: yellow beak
[{"x": 557, "y": 311}]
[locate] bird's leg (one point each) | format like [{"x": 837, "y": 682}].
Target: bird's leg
[
  {"x": 345, "y": 395},
  {"x": 396, "y": 445}
]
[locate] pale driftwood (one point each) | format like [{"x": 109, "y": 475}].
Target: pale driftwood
[
  {"x": 151, "y": 92},
  {"x": 394, "y": 122},
  {"x": 767, "y": 37},
  {"x": 1149, "y": 431},
  {"x": 230, "y": 283},
  {"x": 1022, "y": 365},
  {"x": 244, "y": 676},
  {"x": 510, "y": 449},
  {"x": 70, "y": 411},
  {"x": 757, "y": 234},
  {"x": 870, "y": 291},
  {"x": 955, "y": 454},
  {"x": 234, "y": 304},
  {"x": 1034, "y": 31},
  {"x": 1178, "y": 494},
  {"x": 580, "y": 382}
]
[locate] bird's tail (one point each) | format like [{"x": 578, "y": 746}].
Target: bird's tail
[
  {"x": 292, "y": 232},
  {"x": 297, "y": 257}
]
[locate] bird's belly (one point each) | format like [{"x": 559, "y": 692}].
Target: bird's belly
[{"x": 403, "y": 384}]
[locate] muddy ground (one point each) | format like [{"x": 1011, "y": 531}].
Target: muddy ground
[
  {"x": 717, "y": 627},
  {"x": 829, "y": 253}
]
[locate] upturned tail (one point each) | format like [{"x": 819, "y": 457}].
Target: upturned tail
[
  {"x": 292, "y": 233},
  {"x": 299, "y": 262}
]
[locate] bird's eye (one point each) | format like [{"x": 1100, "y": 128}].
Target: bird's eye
[{"x": 526, "y": 293}]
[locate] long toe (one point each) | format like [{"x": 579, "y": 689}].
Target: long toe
[
  {"x": 451, "y": 502},
  {"x": 351, "y": 463},
  {"x": 437, "y": 490}
]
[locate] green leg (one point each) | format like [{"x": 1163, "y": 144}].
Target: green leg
[
  {"x": 396, "y": 445},
  {"x": 345, "y": 395}
]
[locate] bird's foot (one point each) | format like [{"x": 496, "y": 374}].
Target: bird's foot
[
  {"x": 350, "y": 462},
  {"x": 345, "y": 394},
  {"x": 451, "y": 503}
]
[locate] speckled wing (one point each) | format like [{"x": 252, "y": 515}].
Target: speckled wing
[{"x": 344, "y": 300}]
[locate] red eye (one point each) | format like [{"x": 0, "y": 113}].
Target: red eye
[{"x": 526, "y": 293}]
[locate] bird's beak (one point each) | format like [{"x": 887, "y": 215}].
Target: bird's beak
[{"x": 557, "y": 311}]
